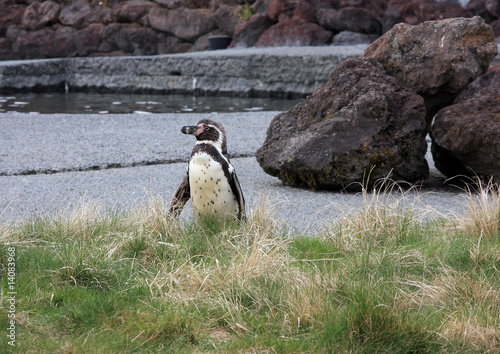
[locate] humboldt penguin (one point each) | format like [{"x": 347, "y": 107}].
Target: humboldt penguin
[{"x": 210, "y": 179}]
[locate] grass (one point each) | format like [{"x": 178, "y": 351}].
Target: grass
[{"x": 379, "y": 279}]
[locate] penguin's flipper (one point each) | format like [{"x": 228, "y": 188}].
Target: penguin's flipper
[
  {"x": 235, "y": 186},
  {"x": 181, "y": 197}
]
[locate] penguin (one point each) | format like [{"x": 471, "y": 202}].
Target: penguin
[{"x": 210, "y": 181}]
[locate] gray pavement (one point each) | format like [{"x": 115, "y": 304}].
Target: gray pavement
[{"x": 50, "y": 164}]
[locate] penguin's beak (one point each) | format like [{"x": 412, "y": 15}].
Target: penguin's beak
[{"x": 192, "y": 129}]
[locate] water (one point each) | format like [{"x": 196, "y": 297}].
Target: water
[{"x": 135, "y": 103}]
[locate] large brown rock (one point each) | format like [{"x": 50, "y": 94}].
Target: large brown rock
[
  {"x": 465, "y": 138},
  {"x": 38, "y": 15},
  {"x": 465, "y": 135},
  {"x": 294, "y": 32},
  {"x": 362, "y": 119},
  {"x": 249, "y": 32},
  {"x": 184, "y": 23},
  {"x": 436, "y": 59}
]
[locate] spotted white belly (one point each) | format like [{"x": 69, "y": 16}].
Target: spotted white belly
[{"x": 210, "y": 190}]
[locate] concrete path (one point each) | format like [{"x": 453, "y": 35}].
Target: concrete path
[{"x": 50, "y": 164}]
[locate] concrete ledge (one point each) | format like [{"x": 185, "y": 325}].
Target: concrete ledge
[{"x": 250, "y": 72}]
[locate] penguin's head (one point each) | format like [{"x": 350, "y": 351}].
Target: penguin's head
[{"x": 207, "y": 131}]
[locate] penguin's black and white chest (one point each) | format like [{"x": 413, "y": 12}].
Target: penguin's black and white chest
[{"x": 209, "y": 181}]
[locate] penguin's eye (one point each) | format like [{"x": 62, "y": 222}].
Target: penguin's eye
[{"x": 205, "y": 128}]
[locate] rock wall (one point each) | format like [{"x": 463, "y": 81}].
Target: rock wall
[{"x": 32, "y": 29}]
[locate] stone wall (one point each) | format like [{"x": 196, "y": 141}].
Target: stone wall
[{"x": 32, "y": 29}]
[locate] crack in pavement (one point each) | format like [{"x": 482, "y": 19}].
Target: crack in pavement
[{"x": 105, "y": 166}]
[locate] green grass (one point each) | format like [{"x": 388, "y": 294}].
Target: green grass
[{"x": 379, "y": 279}]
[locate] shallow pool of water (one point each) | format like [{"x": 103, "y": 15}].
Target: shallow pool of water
[{"x": 136, "y": 103}]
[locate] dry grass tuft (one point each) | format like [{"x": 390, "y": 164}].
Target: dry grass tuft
[
  {"x": 258, "y": 276},
  {"x": 388, "y": 212},
  {"x": 483, "y": 339},
  {"x": 483, "y": 211}
]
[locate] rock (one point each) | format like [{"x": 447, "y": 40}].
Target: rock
[
  {"x": 14, "y": 32},
  {"x": 130, "y": 38},
  {"x": 227, "y": 19},
  {"x": 249, "y": 32},
  {"x": 184, "y": 23},
  {"x": 11, "y": 14},
  {"x": 294, "y": 32},
  {"x": 66, "y": 45},
  {"x": 414, "y": 12},
  {"x": 376, "y": 7},
  {"x": 465, "y": 135},
  {"x": 99, "y": 14},
  {"x": 143, "y": 41},
  {"x": 362, "y": 119},
  {"x": 6, "y": 49},
  {"x": 495, "y": 26},
  {"x": 350, "y": 19},
  {"x": 38, "y": 15},
  {"x": 172, "y": 4},
  {"x": 305, "y": 11},
  {"x": 465, "y": 138},
  {"x": 133, "y": 10},
  {"x": 436, "y": 59},
  {"x": 487, "y": 9},
  {"x": 350, "y": 38},
  {"x": 172, "y": 44},
  {"x": 485, "y": 85},
  {"x": 198, "y": 4},
  {"x": 89, "y": 39},
  {"x": 30, "y": 45},
  {"x": 277, "y": 7},
  {"x": 75, "y": 13},
  {"x": 40, "y": 44},
  {"x": 201, "y": 44}
]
